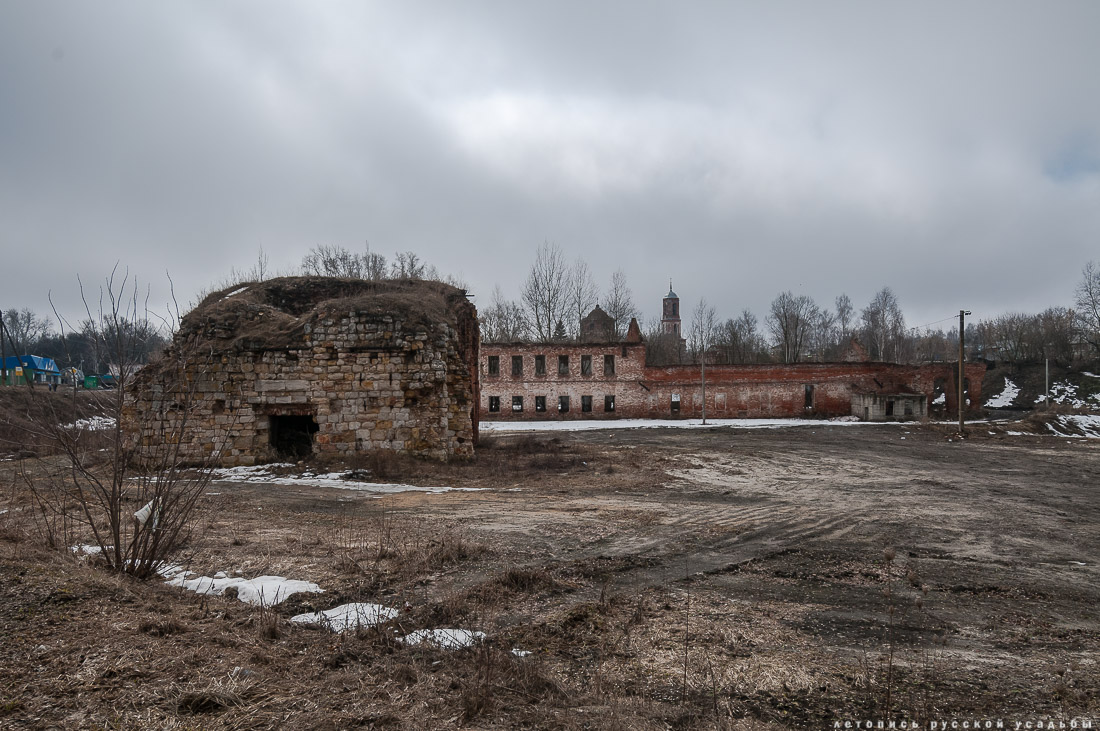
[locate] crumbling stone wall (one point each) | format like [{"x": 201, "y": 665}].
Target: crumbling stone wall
[
  {"x": 339, "y": 366},
  {"x": 733, "y": 391}
]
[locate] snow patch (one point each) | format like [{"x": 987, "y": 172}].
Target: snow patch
[
  {"x": 338, "y": 480},
  {"x": 940, "y": 400},
  {"x": 238, "y": 290},
  {"x": 348, "y": 616},
  {"x": 446, "y": 639},
  {"x": 1076, "y": 425},
  {"x": 262, "y": 591},
  {"x": 1005, "y": 397},
  {"x": 1064, "y": 392},
  {"x": 92, "y": 423}
]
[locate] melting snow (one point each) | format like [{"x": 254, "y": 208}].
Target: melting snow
[
  {"x": 1005, "y": 397},
  {"x": 339, "y": 480},
  {"x": 238, "y": 290},
  {"x": 1066, "y": 393},
  {"x": 93, "y": 423},
  {"x": 261, "y": 591},
  {"x": 1076, "y": 425},
  {"x": 447, "y": 639},
  {"x": 941, "y": 399},
  {"x": 348, "y": 616}
]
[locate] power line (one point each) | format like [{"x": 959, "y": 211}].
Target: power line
[{"x": 937, "y": 322}]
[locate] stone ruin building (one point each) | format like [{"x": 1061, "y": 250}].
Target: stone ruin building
[{"x": 295, "y": 366}]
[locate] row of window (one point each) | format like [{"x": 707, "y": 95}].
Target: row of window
[
  {"x": 563, "y": 365},
  {"x": 563, "y": 404}
]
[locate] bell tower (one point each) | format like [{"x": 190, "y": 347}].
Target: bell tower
[{"x": 670, "y": 313}]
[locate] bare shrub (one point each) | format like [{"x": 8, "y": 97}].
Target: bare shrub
[{"x": 138, "y": 515}]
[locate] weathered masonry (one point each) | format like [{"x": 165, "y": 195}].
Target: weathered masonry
[
  {"x": 567, "y": 381},
  {"x": 603, "y": 379},
  {"x": 552, "y": 381},
  {"x": 308, "y": 365}
]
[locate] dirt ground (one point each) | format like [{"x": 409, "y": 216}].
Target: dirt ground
[{"x": 659, "y": 578}]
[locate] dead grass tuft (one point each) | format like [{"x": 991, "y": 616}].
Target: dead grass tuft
[
  {"x": 218, "y": 696},
  {"x": 527, "y": 580},
  {"x": 161, "y": 628}
]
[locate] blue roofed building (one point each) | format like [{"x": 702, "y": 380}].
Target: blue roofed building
[{"x": 17, "y": 369}]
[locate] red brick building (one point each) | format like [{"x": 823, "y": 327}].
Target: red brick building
[{"x": 610, "y": 380}]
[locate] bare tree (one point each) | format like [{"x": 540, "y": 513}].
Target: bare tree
[
  {"x": 884, "y": 325},
  {"x": 703, "y": 326},
  {"x": 823, "y": 334},
  {"x": 738, "y": 340},
  {"x": 24, "y": 329},
  {"x": 661, "y": 348},
  {"x": 620, "y": 303},
  {"x": 1087, "y": 299},
  {"x": 789, "y": 322},
  {"x": 583, "y": 295},
  {"x": 545, "y": 293},
  {"x": 503, "y": 320},
  {"x": 844, "y": 315},
  {"x": 406, "y": 265},
  {"x": 336, "y": 261}
]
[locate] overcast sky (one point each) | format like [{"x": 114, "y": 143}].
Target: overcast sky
[{"x": 948, "y": 150}]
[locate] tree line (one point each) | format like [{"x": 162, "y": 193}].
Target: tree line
[
  {"x": 558, "y": 293},
  {"x": 797, "y": 329}
]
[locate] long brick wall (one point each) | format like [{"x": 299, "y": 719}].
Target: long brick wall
[{"x": 742, "y": 391}]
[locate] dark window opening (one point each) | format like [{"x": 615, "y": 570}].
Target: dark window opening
[
  {"x": 494, "y": 365},
  {"x": 586, "y": 404},
  {"x": 676, "y": 403},
  {"x": 517, "y": 365},
  {"x": 540, "y": 365},
  {"x": 563, "y": 365},
  {"x": 889, "y": 408},
  {"x": 292, "y": 435},
  {"x": 540, "y": 403},
  {"x": 608, "y": 403},
  {"x": 494, "y": 404},
  {"x": 586, "y": 365},
  {"x": 517, "y": 403},
  {"x": 908, "y": 408},
  {"x": 809, "y": 404},
  {"x": 609, "y": 365},
  {"x": 563, "y": 404}
]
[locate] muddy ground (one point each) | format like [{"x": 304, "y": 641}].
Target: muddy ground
[{"x": 659, "y": 578}]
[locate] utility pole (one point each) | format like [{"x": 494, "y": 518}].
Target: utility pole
[
  {"x": 1046, "y": 400},
  {"x": 962, "y": 370},
  {"x": 704, "y": 385}
]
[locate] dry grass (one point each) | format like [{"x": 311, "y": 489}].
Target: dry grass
[{"x": 751, "y": 646}]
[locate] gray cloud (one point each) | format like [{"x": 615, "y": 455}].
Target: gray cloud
[{"x": 949, "y": 151}]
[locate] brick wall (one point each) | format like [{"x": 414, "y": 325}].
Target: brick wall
[
  {"x": 738, "y": 391},
  {"x": 629, "y": 365}
]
